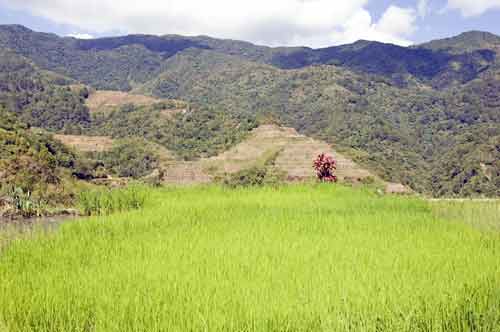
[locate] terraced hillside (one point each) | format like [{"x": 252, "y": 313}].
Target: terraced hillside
[
  {"x": 86, "y": 143},
  {"x": 106, "y": 100},
  {"x": 294, "y": 154}
]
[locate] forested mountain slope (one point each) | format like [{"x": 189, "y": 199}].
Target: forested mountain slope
[
  {"x": 40, "y": 98},
  {"x": 35, "y": 163},
  {"x": 466, "y": 42},
  {"x": 427, "y": 116},
  {"x": 405, "y": 131},
  {"x": 120, "y": 63}
]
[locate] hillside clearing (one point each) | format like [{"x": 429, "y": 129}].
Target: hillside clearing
[
  {"x": 84, "y": 143},
  {"x": 294, "y": 154},
  {"x": 103, "y": 100}
]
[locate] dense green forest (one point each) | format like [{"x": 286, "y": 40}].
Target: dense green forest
[
  {"x": 201, "y": 132},
  {"x": 31, "y": 161},
  {"x": 427, "y": 116},
  {"x": 40, "y": 98}
]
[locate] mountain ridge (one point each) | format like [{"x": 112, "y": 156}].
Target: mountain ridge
[
  {"x": 470, "y": 34},
  {"x": 475, "y": 38},
  {"x": 424, "y": 63}
]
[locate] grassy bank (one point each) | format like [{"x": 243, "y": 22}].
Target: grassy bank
[{"x": 298, "y": 258}]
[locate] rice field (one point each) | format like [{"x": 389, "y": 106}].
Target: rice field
[{"x": 296, "y": 258}]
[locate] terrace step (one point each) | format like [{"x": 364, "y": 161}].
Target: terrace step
[{"x": 296, "y": 153}]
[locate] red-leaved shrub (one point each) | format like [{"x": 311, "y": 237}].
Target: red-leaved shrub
[{"x": 325, "y": 167}]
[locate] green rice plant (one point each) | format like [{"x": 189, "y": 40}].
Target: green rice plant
[
  {"x": 483, "y": 214},
  {"x": 295, "y": 258},
  {"x": 5, "y": 238},
  {"x": 108, "y": 201}
]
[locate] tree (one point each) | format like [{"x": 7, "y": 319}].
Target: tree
[{"x": 325, "y": 167}]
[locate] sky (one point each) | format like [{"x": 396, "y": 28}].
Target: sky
[{"x": 314, "y": 23}]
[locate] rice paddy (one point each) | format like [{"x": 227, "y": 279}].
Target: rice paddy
[{"x": 295, "y": 258}]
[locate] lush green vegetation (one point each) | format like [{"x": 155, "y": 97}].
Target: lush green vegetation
[
  {"x": 23, "y": 88},
  {"x": 134, "y": 158},
  {"x": 33, "y": 163},
  {"x": 262, "y": 173},
  {"x": 122, "y": 63},
  {"x": 40, "y": 98},
  {"x": 466, "y": 42},
  {"x": 254, "y": 176},
  {"x": 425, "y": 116},
  {"x": 297, "y": 258},
  {"x": 105, "y": 201},
  {"x": 198, "y": 132},
  {"x": 439, "y": 142},
  {"x": 482, "y": 214},
  {"x": 118, "y": 70}
]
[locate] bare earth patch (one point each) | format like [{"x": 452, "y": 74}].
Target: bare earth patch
[
  {"x": 397, "y": 188},
  {"x": 107, "y": 100},
  {"x": 169, "y": 113},
  {"x": 86, "y": 143}
]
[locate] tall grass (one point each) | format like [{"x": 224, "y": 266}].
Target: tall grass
[
  {"x": 100, "y": 202},
  {"x": 298, "y": 258}
]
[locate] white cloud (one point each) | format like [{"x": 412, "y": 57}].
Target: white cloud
[
  {"x": 395, "y": 25},
  {"x": 470, "y": 8},
  {"x": 397, "y": 21},
  {"x": 80, "y": 35},
  {"x": 422, "y": 7},
  {"x": 273, "y": 22}
]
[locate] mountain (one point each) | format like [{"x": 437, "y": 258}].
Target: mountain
[
  {"x": 121, "y": 63},
  {"x": 426, "y": 116},
  {"x": 466, "y": 42}
]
